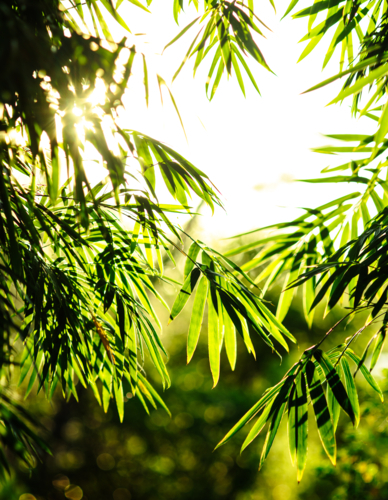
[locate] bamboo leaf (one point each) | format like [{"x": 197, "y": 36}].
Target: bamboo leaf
[
  {"x": 365, "y": 372},
  {"x": 181, "y": 33},
  {"x": 185, "y": 292},
  {"x": 335, "y": 383},
  {"x": 322, "y": 413},
  {"x": 214, "y": 335},
  {"x": 287, "y": 295},
  {"x": 119, "y": 396},
  {"x": 351, "y": 389},
  {"x": 256, "y": 408},
  {"x": 192, "y": 255},
  {"x": 334, "y": 407},
  {"x": 276, "y": 415},
  {"x": 378, "y": 347},
  {"x": 257, "y": 427},
  {"x": 291, "y": 427},
  {"x": 230, "y": 340},
  {"x": 301, "y": 426},
  {"x": 197, "y": 317},
  {"x": 361, "y": 83}
]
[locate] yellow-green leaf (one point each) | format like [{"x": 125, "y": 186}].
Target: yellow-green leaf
[{"x": 197, "y": 317}]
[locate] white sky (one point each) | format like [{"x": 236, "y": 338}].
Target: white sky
[{"x": 250, "y": 147}]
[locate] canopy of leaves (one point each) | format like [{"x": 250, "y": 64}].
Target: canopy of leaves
[{"x": 80, "y": 263}]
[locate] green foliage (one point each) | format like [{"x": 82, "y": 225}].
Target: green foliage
[
  {"x": 228, "y": 30},
  {"x": 337, "y": 252},
  {"x": 157, "y": 455},
  {"x": 80, "y": 264},
  {"x": 160, "y": 456}
]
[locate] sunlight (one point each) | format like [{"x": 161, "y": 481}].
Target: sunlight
[
  {"x": 92, "y": 161},
  {"x": 44, "y": 142},
  {"x": 98, "y": 95}
]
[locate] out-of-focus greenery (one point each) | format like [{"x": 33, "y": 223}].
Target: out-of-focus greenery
[{"x": 96, "y": 457}]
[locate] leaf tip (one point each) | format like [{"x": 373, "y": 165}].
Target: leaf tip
[{"x": 217, "y": 446}]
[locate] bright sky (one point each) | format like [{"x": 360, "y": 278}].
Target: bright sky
[{"x": 250, "y": 147}]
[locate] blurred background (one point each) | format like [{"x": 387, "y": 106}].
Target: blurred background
[{"x": 151, "y": 457}]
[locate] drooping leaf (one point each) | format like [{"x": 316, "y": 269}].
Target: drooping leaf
[
  {"x": 351, "y": 389},
  {"x": 378, "y": 347},
  {"x": 322, "y": 413},
  {"x": 334, "y": 383},
  {"x": 215, "y": 338},
  {"x": 185, "y": 292},
  {"x": 197, "y": 317}
]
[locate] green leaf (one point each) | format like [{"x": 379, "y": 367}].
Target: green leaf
[
  {"x": 374, "y": 75},
  {"x": 185, "y": 292},
  {"x": 217, "y": 79},
  {"x": 256, "y": 408},
  {"x": 335, "y": 383},
  {"x": 215, "y": 338},
  {"x": 230, "y": 340},
  {"x": 301, "y": 425},
  {"x": 298, "y": 425},
  {"x": 238, "y": 72},
  {"x": 310, "y": 46},
  {"x": 140, "y": 5},
  {"x": 119, "y": 396},
  {"x": 291, "y": 427},
  {"x": 246, "y": 67},
  {"x": 365, "y": 372},
  {"x": 258, "y": 426},
  {"x": 308, "y": 298},
  {"x": 382, "y": 127},
  {"x": 145, "y": 72},
  {"x": 378, "y": 347},
  {"x": 192, "y": 255},
  {"x": 197, "y": 317},
  {"x": 108, "y": 5},
  {"x": 334, "y": 407},
  {"x": 322, "y": 413},
  {"x": 154, "y": 394},
  {"x": 272, "y": 319},
  {"x": 106, "y": 379},
  {"x": 364, "y": 64},
  {"x": 351, "y": 389},
  {"x": 287, "y": 294},
  {"x": 6, "y": 207},
  {"x": 277, "y": 411},
  {"x": 290, "y": 7},
  {"x": 181, "y": 33}
]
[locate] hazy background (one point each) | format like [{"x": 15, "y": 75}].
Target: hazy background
[{"x": 253, "y": 147}]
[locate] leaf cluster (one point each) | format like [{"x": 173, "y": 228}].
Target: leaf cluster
[{"x": 227, "y": 32}]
